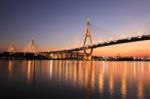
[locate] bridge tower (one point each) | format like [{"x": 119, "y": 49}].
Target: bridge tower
[
  {"x": 31, "y": 47},
  {"x": 88, "y": 42},
  {"x": 12, "y": 47}
]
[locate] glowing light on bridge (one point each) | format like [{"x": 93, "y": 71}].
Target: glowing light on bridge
[
  {"x": 31, "y": 47},
  {"x": 12, "y": 47}
]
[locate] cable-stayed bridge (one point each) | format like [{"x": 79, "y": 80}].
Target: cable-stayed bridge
[
  {"x": 102, "y": 44},
  {"x": 88, "y": 46},
  {"x": 83, "y": 52}
]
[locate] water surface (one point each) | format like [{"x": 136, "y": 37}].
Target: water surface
[{"x": 59, "y": 79}]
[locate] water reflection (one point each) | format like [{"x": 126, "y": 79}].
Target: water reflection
[
  {"x": 50, "y": 68},
  {"x": 101, "y": 79},
  {"x": 111, "y": 80},
  {"x": 123, "y": 82},
  {"x": 118, "y": 79},
  {"x": 10, "y": 68},
  {"x": 30, "y": 71}
]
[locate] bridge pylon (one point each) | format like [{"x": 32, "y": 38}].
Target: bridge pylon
[
  {"x": 88, "y": 42},
  {"x": 31, "y": 47},
  {"x": 12, "y": 47}
]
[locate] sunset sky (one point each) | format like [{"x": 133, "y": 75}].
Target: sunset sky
[{"x": 59, "y": 24}]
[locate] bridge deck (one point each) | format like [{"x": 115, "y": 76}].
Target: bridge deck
[{"x": 108, "y": 43}]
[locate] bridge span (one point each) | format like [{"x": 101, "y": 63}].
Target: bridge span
[
  {"x": 102, "y": 44},
  {"x": 88, "y": 47},
  {"x": 107, "y": 43}
]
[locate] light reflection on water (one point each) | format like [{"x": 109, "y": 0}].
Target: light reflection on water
[{"x": 90, "y": 79}]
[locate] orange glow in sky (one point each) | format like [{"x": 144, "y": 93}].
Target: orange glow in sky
[{"x": 129, "y": 49}]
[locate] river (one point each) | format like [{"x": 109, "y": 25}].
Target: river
[{"x": 65, "y": 79}]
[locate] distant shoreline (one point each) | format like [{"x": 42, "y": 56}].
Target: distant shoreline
[{"x": 34, "y": 56}]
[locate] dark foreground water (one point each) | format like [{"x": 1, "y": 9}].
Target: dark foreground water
[{"x": 74, "y": 80}]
